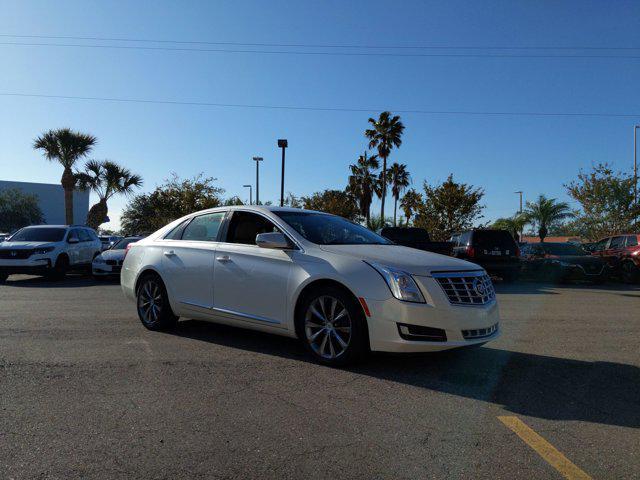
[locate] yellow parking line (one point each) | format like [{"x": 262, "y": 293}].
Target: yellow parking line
[{"x": 547, "y": 451}]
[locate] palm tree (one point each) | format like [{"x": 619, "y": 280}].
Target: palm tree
[
  {"x": 399, "y": 179},
  {"x": 106, "y": 179},
  {"x": 546, "y": 211},
  {"x": 66, "y": 147},
  {"x": 410, "y": 203},
  {"x": 362, "y": 182},
  {"x": 513, "y": 225},
  {"x": 384, "y": 134}
]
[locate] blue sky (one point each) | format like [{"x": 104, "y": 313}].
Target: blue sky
[{"x": 502, "y": 154}]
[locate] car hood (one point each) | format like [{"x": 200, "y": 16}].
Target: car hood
[
  {"x": 113, "y": 254},
  {"x": 416, "y": 262},
  {"x": 25, "y": 245}
]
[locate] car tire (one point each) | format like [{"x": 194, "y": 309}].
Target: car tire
[
  {"x": 332, "y": 327},
  {"x": 630, "y": 272},
  {"x": 3, "y": 277},
  {"x": 152, "y": 302},
  {"x": 60, "y": 268}
]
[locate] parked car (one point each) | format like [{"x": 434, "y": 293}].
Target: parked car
[
  {"x": 562, "y": 262},
  {"x": 415, "y": 238},
  {"x": 338, "y": 287},
  {"x": 109, "y": 241},
  {"x": 109, "y": 262},
  {"x": 621, "y": 254},
  {"x": 50, "y": 250},
  {"x": 494, "y": 250}
]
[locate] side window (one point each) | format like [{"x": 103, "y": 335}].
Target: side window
[
  {"x": 73, "y": 233},
  {"x": 204, "y": 228},
  {"x": 632, "y": 241},
  {"x": 245, "y": 226},
  {"x": 93, "y": 235},
  {"x": 464, "y": 239},
  {"x": 617, "y": 242},
  {"x": 83, "y": 235},
  {"x": 176, "y": 233}
]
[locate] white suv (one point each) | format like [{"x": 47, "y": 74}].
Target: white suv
[{"x": 49, "y": 250}]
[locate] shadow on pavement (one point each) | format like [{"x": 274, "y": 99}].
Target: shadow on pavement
[
  {"x": 70, "y": 281},
  {"x": 527, "y": 384}
]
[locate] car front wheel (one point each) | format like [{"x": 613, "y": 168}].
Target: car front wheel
[
  {"x": 332, "y": 327},
  {"x": 3, "y": 277},
  {"x": 154, "y": 309},
  {"x": 630, "y": 273}
]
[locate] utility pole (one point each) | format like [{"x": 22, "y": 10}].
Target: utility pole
[
  {"x": 257, "y": 160},
  {"x": 635, "y": 164},
  {"x": 250, "y": 193},
  {"x": 283, "y": 144}
]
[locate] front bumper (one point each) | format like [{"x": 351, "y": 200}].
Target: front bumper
[
  {"x": 438, "y": 313},
  {"x": 101, "y": 269},
  {"x": 29, "y": 266}
]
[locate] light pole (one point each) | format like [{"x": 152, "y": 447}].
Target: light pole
[
  {"x": 635, "y": 164},
  {"x": 520, "y": 192},
  {"x": 283, "y": 144},
  {"x": 250, "y": 193},
  {"x": 257, "y": 160}
]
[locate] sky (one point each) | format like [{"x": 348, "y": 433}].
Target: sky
[{"x": 500, "y": 153}]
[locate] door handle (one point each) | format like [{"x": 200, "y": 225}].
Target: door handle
[
  {"x": 169, "y": 253},
  {"x": 223, "y": 258}
]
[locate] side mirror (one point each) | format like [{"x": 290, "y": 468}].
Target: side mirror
[
  {"x": 275, "y": 240},
  {"x": 73, "y": 240}
]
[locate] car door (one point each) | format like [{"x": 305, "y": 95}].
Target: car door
[
  {"x": 74, "y": 247},
  {"x": 614, "y": 251},
  {"x": 250, "y": 282},
  {"x": 188, "y": 261},
  {"x": 86, "y": 251}
]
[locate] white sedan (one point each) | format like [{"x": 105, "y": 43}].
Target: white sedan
[{"x": 338, "y": 287}]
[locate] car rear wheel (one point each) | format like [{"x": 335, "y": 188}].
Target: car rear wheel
[
  {"x": 3, "y": 277},
  {"x": 332, "y": 327},
  {"x": 154, "y": 309}
]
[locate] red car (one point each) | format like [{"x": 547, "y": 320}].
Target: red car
[{"x": 622, "y": 254}]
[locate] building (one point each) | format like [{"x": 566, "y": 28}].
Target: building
[
  {"x": 51, "y": 200},
  {"x": 563, "y": 239}
]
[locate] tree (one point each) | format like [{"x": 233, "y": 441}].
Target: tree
[
  {"x": 233, "y": 201},
  {"x": 514, "y": 225},
  {"x": 399, "y": 179},
  {"x": 607, "y": 202},
  {"x": 18, "y": 209},
  {"x": 449, "y": 208},
  {"x": 148, "y": 212},
  {"x": 362, "y": 182},
  {"x": 410, "y": 203},
  {"x": 545, "y": 212},
  {"x": 337, "y": 202},
  {"x": 106, "y": 179},
  {"x": 384, "y": 134},
  {"x": 67, "y": 148}
]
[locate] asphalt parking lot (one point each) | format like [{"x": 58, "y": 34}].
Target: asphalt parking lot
[{"x": 87, "y": 392}]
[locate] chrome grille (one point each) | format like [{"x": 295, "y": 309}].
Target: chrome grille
[{"x": 466, "y": 288}]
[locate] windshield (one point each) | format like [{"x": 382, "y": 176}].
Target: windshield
[
  {"x": 39, "y": 235},
  {"x": 122, "y": 244},
  {"x": 324, "y": 229},
  {"x": 564, "y": 249}
]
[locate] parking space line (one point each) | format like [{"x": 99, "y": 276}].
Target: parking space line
[{"x": 547, "y": 451}]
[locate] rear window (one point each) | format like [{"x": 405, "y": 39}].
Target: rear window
[
  {"x": 493, "y": 238},
  {"x": 39, "y": 235},
  {"x": 122, "y": 244}
]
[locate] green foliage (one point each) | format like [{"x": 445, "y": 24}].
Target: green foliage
[
  {"x": 337, "y": 202},
  {"x": 399, "y": 179},
  {"x": 514, "y": 225},
  {"x": 449, "y": 208},
  {"x": 376, "y": 223},
  {"x": 411, "y": 202},
  {"x": 18, "y": 209},
  {"x": 607, "y": 202},
  {"x": 545, "y": 212},
  {"x": 229, "y": 202},
  {"x": 363, "y": 182},
  {"x": 292, "y": 201},
  {"x": 175, "y": 198}
]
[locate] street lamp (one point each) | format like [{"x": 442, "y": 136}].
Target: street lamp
[
  {"x": 283, "y": 144},
  {"x": 250, "y": 193},
  {"x": 520, "y": 192},
  {"x": 635, "y": 164},
  {"x": 257, "y": 160}
]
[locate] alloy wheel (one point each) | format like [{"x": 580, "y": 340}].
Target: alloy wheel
[
  {"x": 150, "y": 301},
  {"x": 327, "y": 327}
]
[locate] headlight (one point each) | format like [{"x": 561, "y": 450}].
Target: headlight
[
  {"x": 98, "y": 259},
  {"x": 43, "y": 250},
  {"x": 401, "y": 284}
]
